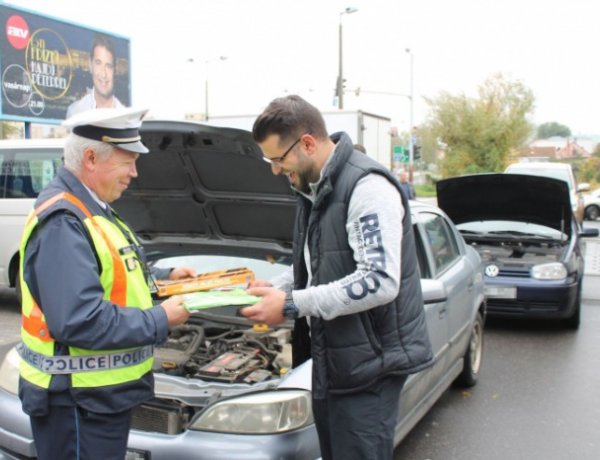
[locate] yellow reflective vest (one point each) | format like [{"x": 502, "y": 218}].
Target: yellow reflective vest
[{"x": 123, "y": 279}]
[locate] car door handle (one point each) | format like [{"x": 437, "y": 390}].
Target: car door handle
[
  {"x": 471, "y": 284},
  {"x": 442, "y": 312}
]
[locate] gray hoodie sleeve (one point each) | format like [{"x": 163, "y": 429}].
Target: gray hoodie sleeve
[
  {"x": 284, "y": 281},
  {"x": 374, "y": 228}
]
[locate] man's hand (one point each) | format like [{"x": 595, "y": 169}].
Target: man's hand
[
  {"x": 179, "y": 273},
  {"x": 259, "y": 283},
  {"x": 269, "y": 309},
  {"x": 176, "y": 312}
]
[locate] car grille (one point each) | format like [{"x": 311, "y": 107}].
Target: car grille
[
  {"x": 519, "y": 306},
  {"x": 159, "y": 417},
  {"x": 513, "y": 272}
]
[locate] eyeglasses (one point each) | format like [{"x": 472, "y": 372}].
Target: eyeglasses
[{"x": 279, "y": 160}]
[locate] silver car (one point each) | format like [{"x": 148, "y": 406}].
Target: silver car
[{"x": 225, "y": 388}]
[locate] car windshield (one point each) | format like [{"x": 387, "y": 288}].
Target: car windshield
[
  {"x": 262, "y": 269},
  {"x": 513, "y": 228}
]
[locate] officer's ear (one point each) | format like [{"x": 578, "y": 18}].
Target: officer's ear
[{"x": 90, "y": 159}]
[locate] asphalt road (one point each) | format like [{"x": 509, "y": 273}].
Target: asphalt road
[{"x": 538, "y": 395}]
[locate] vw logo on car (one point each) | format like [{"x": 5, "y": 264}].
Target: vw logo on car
[{"x": 492, "y": 271}]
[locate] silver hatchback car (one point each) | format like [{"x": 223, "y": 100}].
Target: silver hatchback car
[{"x": 225, "y": 388}]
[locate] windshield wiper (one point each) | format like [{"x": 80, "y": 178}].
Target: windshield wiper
[{"x": 518, "y": 234}]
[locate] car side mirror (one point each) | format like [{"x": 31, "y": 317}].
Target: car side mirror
[
  {"x": 589, "y": 232},
  {"x": 433, "y": 291},
  {"x": 583, "y": 187}
]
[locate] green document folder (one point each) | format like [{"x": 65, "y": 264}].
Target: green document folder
[{"x": 210, "y": 299}]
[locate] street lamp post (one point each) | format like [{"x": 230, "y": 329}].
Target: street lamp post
[
  {"x": 206, "y": 62},
  {"x": 411, "y": 134},
  {"x": 340, "y": 80}
]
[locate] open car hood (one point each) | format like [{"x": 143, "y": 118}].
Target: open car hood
[
  {"x": 206, "y": 185},
  {"x": 517, "y": 197}
]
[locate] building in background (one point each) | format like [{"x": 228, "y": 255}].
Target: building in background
[{"x": 559, "y": 148}]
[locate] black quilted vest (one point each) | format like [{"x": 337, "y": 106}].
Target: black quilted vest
[{"x": 351, "y": 351}]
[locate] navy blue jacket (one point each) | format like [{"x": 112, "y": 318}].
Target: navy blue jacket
[{"x": 63, "y": 273}]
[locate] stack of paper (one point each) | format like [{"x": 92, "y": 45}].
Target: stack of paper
[{"x": 209, "y": 299}]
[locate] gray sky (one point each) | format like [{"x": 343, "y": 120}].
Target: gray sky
[{"x": 276, "y": 47}]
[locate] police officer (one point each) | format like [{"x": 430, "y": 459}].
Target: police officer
[{"x": 89, "y": 322}]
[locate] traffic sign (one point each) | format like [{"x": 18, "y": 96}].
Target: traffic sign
[{"x": 400, "y": 154}]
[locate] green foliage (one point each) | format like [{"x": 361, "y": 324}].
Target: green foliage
[
  {"x": 425, "y": 190},
  {"x": 7, "y": 130},
  {"x": 429, "y": 145},
  {"x": 588, "y": 170},
  {"x": 552, "y": 128},
  {"x": 479, "y": 133}
]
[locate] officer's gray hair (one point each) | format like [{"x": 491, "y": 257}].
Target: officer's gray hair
[{"x": 75, "y": 146}]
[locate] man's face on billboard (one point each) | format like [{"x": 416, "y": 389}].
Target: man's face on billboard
[{"x": 103, "y": 71}]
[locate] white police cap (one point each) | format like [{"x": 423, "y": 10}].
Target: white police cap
[{"x": 115, "y": 126}]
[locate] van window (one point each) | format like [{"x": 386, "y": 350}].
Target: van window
[
  {"x": 561, "y": 174},
  {"x": 25, "y": 173}
]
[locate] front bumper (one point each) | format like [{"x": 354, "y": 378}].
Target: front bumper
[
  {"x": 16, "y": 441},
  {"x": 196, "y": 445},
  {"x": 15, "y": 430},
  {"x": 535, "y": 299}
]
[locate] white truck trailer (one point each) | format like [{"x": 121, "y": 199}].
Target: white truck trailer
[{"x": 372, "y": 131}]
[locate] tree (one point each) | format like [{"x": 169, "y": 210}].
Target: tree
[
  {"x": 428, "y": 143},
  {"x": 589, "y": 171},
  {"x": 7, "y": 130},
  {"x": 551, "y": 129},
  {"x": 481, "y": 132}
]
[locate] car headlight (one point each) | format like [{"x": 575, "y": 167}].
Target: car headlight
[
  {"x": 9, "y": 372},
  {"x": 552, "y": 271},
  {"x": 265, "y": 412}
]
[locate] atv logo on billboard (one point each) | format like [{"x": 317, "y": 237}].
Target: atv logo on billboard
[{"x": 17, "y": 32}]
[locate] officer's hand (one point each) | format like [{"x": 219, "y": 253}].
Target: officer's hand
[
  {"x": 176, "y": 312},
  {"x": 259, "y": 283},
  {"x": 179, "y": 273},
  {"x": 269, "y": 309}
]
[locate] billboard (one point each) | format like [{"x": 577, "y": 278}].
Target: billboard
[{"x": 51, "y": 69}]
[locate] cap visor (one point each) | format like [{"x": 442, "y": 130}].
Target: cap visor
[{"x": 135, "y": 147}]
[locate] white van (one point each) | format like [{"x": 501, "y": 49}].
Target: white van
[
  {"x": 562, "y": 171},
  {"x": 26, "y": 167}
]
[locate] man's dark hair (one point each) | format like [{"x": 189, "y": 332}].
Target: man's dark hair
[
  {"x": 289, "y": 117},
  {"x": 105, "y": 42}
]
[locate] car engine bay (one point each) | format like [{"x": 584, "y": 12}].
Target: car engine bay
[
  {"x": 218, "y": 357},
  {"x": 518, "y": 253},
  {"x": 225, "y": 354}
]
